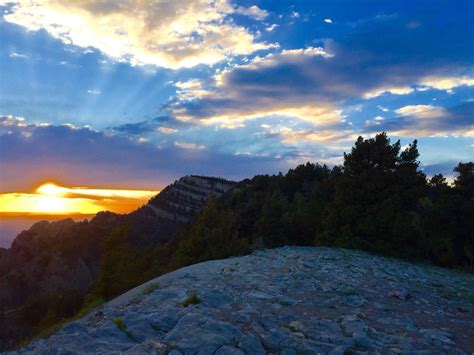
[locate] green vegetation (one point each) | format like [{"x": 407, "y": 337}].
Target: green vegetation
[
  {"x": 51, "y": 323},
  {"x": 378, "y": 201},
  {"x": 150, "y": 288},
  {"x": 192, "y": 299},
  {"x": 123, "y": 266},
  {"x": 290, "y": 327},
  {"x": 122, "y": 326}
]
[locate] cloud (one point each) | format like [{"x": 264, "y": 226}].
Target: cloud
[
  {"x": 18, "y": 55},
  {"x": 50, "y": 198},
  {"x": 295, "y": 14},
  {"x": 81, "y": 156},
  {"x": 422, "y": 111},
  {"x": 271, "y": 27},
  {"x": 171, "y": 34},
  {"x": 292, "y": 136},
  {"x": 314, "y": 84},
  {"x": 190, "y": 90},
  {"x": 327, "y": 20},
  {"x": 375, "y": 121},
  {"x": 427, "y": 121},
  {"x": 306, "y": 83},
  {"x": 258, "y": 89},
  {"x": 187, "y": 145},
  {"x": 447, "y": 82},
  {"x": 252, "y": 11},
  {"x": 402, "y": 90},
  {"x": 147, "y": 126},
  {"x": 167, "y": 130}
]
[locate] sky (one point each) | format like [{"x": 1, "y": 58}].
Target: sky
[{"x": 133, "y": 94}]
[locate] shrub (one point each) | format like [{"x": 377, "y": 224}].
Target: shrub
[{"x": 192, "y": 299}]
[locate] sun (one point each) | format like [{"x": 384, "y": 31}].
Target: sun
[
  {"x": 51, "y": 204},
  {"x": 51, "y": 189},
  {"x": 51, "y": 198}
]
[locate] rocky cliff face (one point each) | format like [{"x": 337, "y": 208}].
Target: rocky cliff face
[
  {"x": 62, "y": 259},
  {"x": 289, "y": 300},
  {"x": 185, "y": 197}
]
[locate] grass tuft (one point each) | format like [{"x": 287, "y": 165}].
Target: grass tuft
[
  {"x": 122, "y": 326},
  {"x": 290, "y": 327},
  {"x": 150, "y": 288},
  {"x": 192, "y": 299}
]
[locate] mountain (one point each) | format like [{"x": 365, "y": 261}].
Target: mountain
[
  {"x": 50, "y": 268},
  {"x": 378, "y": 201},
  {"x": 291, "y": 300}
]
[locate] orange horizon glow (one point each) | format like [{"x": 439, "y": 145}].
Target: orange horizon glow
[{"x": 53, "y": 199}]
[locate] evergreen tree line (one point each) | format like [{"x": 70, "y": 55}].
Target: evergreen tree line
[{"x": 378, "y": 201}]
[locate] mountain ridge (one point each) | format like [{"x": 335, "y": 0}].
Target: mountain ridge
[{"x": 65, "y": 256}]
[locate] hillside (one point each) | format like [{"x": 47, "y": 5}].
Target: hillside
[
  {"x": 291, "y": 299},
  {"x": 379, "y": 201},
  {"x": 50, "y": 268}
]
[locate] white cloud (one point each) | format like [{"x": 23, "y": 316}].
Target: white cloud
[
  {"x": 327, "y": 20},
  {"x": 190, "y": 90},
  {"x": 271, "y": 27},
  {"x": 171, "y": 34},
  {"x": 186, "y": 145},
  {"x": 94, "y": 91},
  {"x": 309, "y": 51},
  {"x": 167, "y": 130},
  {"x": 295, "y": 14},
  {"x": 292, "y": 136},
  {"x": 240, "y": 108},
  {"x": 18, "y": 55},
  {"x": 421, "y": 111},
  {"x": 394, "y": 90},
  {"x": 319, "y": 115},
  {"x": 447, "y": 83},
  {"x": 375, "y": 121},
  {"x": 252, "y": 11}
]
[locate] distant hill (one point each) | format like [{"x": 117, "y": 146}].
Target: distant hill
[{"x": 51, "y": 267}]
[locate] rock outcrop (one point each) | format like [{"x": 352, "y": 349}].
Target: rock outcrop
[
  {"x": 185, "y": 197},
  {"x": 288, "y": 300},
  {"x": 62, "y": 259}
]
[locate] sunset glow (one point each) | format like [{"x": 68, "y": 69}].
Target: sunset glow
[{"x": 50, "y": 198}]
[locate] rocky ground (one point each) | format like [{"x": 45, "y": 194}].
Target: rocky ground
[{"x": 288, "y": 300}]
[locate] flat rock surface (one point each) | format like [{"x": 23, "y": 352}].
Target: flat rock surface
[{"x": 289, "y": 300}]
